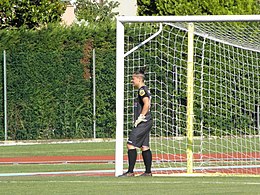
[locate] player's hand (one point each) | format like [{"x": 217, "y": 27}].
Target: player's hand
[{"x": 140, "y": 119}]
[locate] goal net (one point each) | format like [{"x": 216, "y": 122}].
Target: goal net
[{"x": 204, "y": 76}]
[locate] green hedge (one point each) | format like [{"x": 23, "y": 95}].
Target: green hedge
[{"x": 50, "y": 85}]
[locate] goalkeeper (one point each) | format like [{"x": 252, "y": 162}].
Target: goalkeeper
[{"x": 139, "y": 136}]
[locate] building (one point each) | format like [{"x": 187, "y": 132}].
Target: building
[
  {"x": 69, "y": 16},
  {"x": 127, "y": 7}
]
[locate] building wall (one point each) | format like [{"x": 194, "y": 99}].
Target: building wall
[
  {"x": 69, "y": 16},
  {"x": 127, "y": 7}
]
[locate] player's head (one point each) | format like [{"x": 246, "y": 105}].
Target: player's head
[{"x": 138, "y": 78}]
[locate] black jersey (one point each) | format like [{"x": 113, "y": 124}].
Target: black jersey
[{"x": 142, "y": 92}]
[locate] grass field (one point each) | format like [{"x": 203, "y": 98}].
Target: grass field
[
  {"x": 78, "y": 184},
  {"x": 111, "y": 185},
  {"x": 60, "y": 149}
]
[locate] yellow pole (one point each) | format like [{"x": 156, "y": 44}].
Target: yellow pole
[{"x": 190, "y": 114}]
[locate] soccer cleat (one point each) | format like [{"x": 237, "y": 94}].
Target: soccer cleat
[
  {"x": 146, "y": 175},
  {"x": 127, "y": 174}
]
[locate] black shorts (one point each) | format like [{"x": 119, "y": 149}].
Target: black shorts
[{"x": 140, "y": 135}]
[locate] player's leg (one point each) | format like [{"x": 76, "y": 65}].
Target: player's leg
[
  {"x": 132, "y": 155},
  {"x": 136, "y": 140},
  {"x": 146, "y": 152},
  {"x": 131, "y": 152},
  {"x": 147, "y": 157}
]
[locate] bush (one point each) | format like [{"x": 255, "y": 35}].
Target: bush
[{"x": 50, "y": 84}]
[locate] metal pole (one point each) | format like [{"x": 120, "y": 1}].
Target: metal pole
[
  {"x": 119, "y": 154},
  {"x": 258, "y": 118},
  {"x": 94, "y": 93},
  {"x": 190, "y": 98},
  {"x": 5, "y": 98}
]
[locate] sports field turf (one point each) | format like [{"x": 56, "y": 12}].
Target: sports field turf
[
  {"x": 111, "y": 185},
  {"x": 81, "y": 184}
]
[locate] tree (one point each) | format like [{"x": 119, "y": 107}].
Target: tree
[
  {"x": 94, "y": 12},
  {"x": 147, "y": 8},
  {"x": 196, "y": 7},
  {"x": 29, "y": 13}
]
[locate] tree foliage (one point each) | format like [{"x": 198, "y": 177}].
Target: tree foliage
[
  {"x": 94, "y": 12},
  {"x": 29, "y": 13},
  {"x": 195, "y": 7}
]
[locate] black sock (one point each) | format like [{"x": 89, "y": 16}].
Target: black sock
[
  {"x": 132, "y": 154},
  {"x": 147, "y": 156}
]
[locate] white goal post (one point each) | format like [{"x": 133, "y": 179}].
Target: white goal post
[{"x": 204, "y": 76}]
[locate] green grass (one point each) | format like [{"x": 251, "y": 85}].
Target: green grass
[
  {"x": 216, "y": 145},
  {"x": 226, "y": 144},
  {"x": 111, "y": 185},
  {"x": 105, "y": 185},
  {"x": 70, "y": 149},
  {"x": 29, "y": 168}
]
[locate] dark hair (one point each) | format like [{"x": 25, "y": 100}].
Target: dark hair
[{"x": 141, "y": 72}]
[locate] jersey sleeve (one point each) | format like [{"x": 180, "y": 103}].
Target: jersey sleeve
[{"x": 143, "y": 92}]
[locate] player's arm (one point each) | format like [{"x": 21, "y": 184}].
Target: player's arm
[
  {"x": 144, "y": 111},
  {"x": 146, "y": 106}
]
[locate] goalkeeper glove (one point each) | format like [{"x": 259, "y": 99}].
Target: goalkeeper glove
[{"x": 140, "y": 119}]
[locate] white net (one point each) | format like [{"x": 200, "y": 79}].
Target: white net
[{"x": 226, "y": 94}]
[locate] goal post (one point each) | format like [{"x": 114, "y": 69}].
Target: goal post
[
  {"x": 119, "y": 98},
  {"x": 190, "y": 114},
  {"x": 203, "y": 72}
]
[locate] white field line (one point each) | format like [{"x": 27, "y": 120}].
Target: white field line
[
  {"x": 136, "y": 182},
  {"x": 63, "y": 151},
  {"x": 55, "y": 173},
  {"x": 33, "y": 142},
  {"x": 98, "y": 172}
]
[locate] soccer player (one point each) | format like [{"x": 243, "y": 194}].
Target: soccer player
[{"x": 139, "y": 136}]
